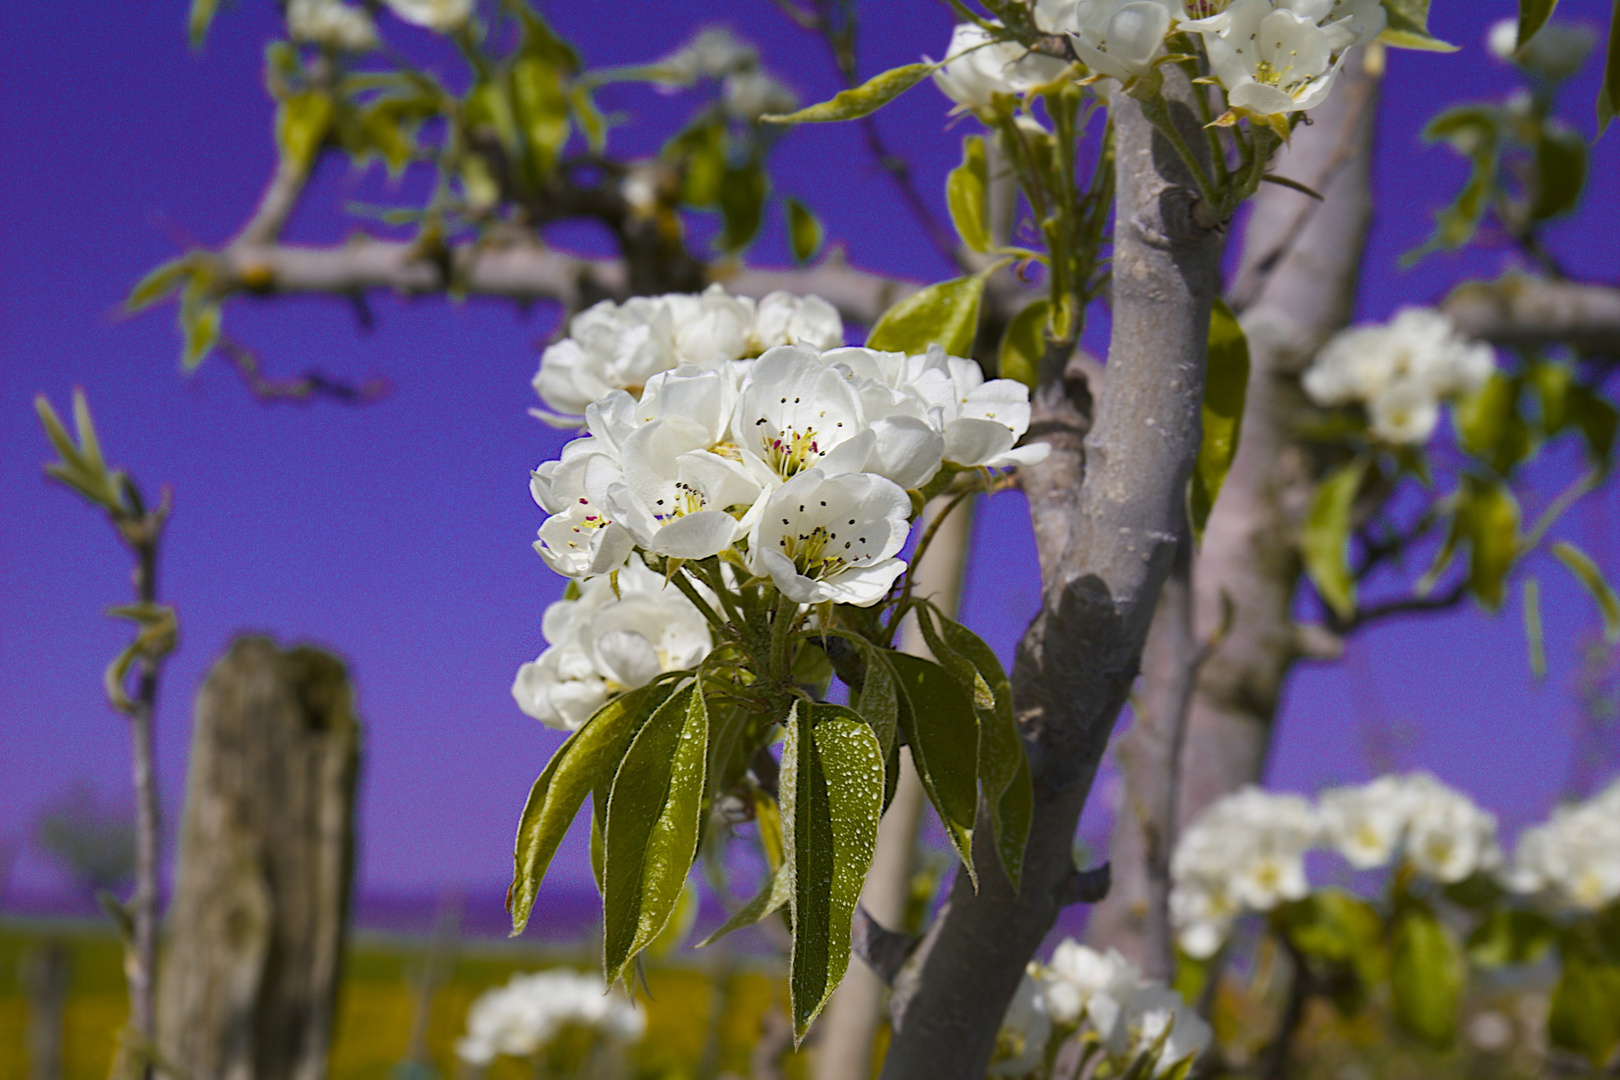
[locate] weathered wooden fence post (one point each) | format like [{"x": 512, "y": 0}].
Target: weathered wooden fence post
[{"x": 261, "y": 902}]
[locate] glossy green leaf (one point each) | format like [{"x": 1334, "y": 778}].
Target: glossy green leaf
[
  {"x": 946, "y": 313},
  {"x": 1024, "y": 343},
  {"x": 654, "y": 814},
  {"x": 878, "y": 700},
  {"x": 967, "y": 195},
  {"x": 302, "y": 123},
  {"x": 773, "y": 895},
  {"x": 804, "y": 231},
  {"x": 1511, "y": 936},
  {"x": 159, "y": 283},
  {"x": 1426, "y": 976},
  {"x": 1532, "y": 14},
  {"x": 1492, "y": 526},
  {"x": 1226, "y": 385},
  {"x": 1326, "y": 542},
  {"x": 1591, "y": 576},
  {"x": 1015, "y": 813},
  {"x": 837, "y": 801},
  {"x": 1408, "y": 27},
  {"x": 1560, "y": 172},
  {"x": 942, "y": 730},
  {"x": 1585, "y": 1014},
  {"x": 587, "y": 760},
  {"x": 742, "y": 206},
  {"x": 859, "y": 101}
]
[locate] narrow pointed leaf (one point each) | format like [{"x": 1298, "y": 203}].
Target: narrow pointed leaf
[
  {"x": 1015, "y": 813},
  {"x": 773, "y": 895},
  {"x": 54, "y": 430},
  {"x": 1226, "y": 386},
  {"x": 89, "y": 445},
  {"x": 878, "y": 701},
  {"x": 1408, "y": 27},
  {"x": 1533, "y": 636},
  {"x": 1532, "y": 14},
  {"x": 859, "y": 101},
  {"x": 1609, "y": 92},
  {"x": 160, "y": 282},
  {"x": 946, "y": 313},
  {"x": 654, "y": 814},
  {"x": 1587, "y": 572},
  {"x": 839, "y": 800},
  {"x": 585, "y": 761}
]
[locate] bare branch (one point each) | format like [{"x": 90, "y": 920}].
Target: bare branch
[
  {"x": 1528, "y": 312},
  {"x": 1086, "y": 886},
  {"x": 301, "y": 389},
  {"x": 883, "y": 950},
  {"x": 1406, "y": 605}
]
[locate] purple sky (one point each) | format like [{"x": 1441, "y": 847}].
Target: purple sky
[{"x": 399, "y": 534}]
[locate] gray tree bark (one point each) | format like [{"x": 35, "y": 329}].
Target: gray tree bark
[
  {"x": 47, "y": 975},
  {"x": 1297, "y": 284},
  {"x": 1106, "y": 547},
  {"x": 266, "y": 859}
]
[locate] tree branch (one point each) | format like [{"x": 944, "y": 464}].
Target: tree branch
[
  {"x": 1106, "y": 547},
  {"x": 1529, "y": 312}
]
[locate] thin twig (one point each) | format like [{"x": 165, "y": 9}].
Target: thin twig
[{"x": 301, "y": 390}]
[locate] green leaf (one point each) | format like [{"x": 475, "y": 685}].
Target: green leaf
[
  {"x": 1490, "y": 425},
  {"x": 1024, "y": 343},
  {"x": 540, "y": 105},
  {"x": 589, "y": 118},
  {"x": 1491, "y": 523},
  {"x": 199, "y": 324},
  {"x": 772, "y": 897},
  {"x": 878, "y": 700},
  {"x": 1426, "y": 976},
  {"x": 946, "y": 313},
  {"x": 1597, "y": 420},
  {"x": 159, "y": 283},
  {"x": 1535, "y": 640},
  {"x": 742, "y": 206},
  {"x": 302, "y": 123},
  {"x": 1475, "y": 132},
  {"x": 1333, "y": 925},
  {"x": 1326, "y": 542},
  {"x": 1553, "y": 382},
  {"x": 1532, "y": 14},
  {"x": 1510, "y": 936},
  {"x": 967, "y": 195},
  {"x": 861, "y": 100},
  {"x": 654, "y": 814},
  {"x": 942, "y": 729},
  {"x": 1408, "y": 27},
  {"x": 1609, "y": 92},
  {"x": 698, "y": 156},
  {"x": 804, "y": 231},
  {"x": 1585, "y": 1015},
  {"x": 201, "y": 18},
  {"x": 1587, "y": 572},
  {"x": 837, "y": 801},
  {"x": 1560, "y": 172},
  {"x": 1226, "y": 385},
  {"x": 1015, "y": 813},
  {"x": 585, "y": 761}
]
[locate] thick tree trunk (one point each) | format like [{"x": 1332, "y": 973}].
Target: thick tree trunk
[
  {"x": 1296, "y": 285},
  {"x": 1106, "y": 547},
  {"x": 266, "y": 858}
]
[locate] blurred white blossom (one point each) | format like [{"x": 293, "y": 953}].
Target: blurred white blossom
[
  {"x": 978, "y": 67},
  {"x": 331, "y": 23},
  {"x": 1573, "y": 857},
  {"x": 441, "y": 15},
  {"x": 1400, "y": 372},
  {"x": 520, "y": 1018},
  {"x": 1437, "y": 830}
]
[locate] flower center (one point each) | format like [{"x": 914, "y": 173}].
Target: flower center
[
  {"x": 682, "y": 499},
  {"x": 791, "y": 451}
]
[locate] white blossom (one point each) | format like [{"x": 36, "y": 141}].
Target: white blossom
[
  {"x": 1448, "y": 838},
  {"x": 520, "y": 1018},
  {"x": 1025, "y": 1029},
  {"x": 831, "y": 537},
  {"x": 1365, "y": 824},
  {"x": 1245, "y": 852},
  {"x": 1400, "y": 372},
  {"x": 1121, "y": 38},
  {"x": 602, "y": 644},
  {"x": 1083, "y": 984},
  {"x": 748, "y": 95},
  {"x": 1280, "y": 56},
  {"x": 1556, "y": 52},
  {"x": 1154, "y": 1011},
  {"x": 332, "y": 24},
  {"x": 1573, "y": 857},
  {"x": 441, "y": 15},
  {"x": 978, "y": 67},
  {"x": 611, "y": 346}
]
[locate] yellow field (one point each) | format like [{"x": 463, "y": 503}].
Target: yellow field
[{"x": 378, "y": 1001}]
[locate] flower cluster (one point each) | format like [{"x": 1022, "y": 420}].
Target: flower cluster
[
  {"x": 1574, "y": 857},
  {"x": 621, "y": 346},
  {"x": 613, "y": 636},
  {"x": 795, "y": 465},
  {"x": 331, "y": 24},
  {"x": 1247, "y": 851},
  {"x": 747, "y": 92},
  {"x": 520, "y": 1018},
  {"x": 1103, "y": 999},
  {"x": 1400, "y": 372},
  {"x": 978, "y": 67}
]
